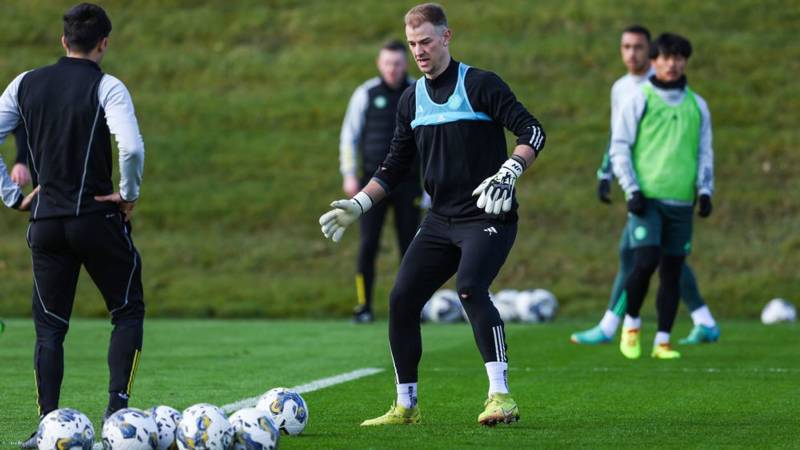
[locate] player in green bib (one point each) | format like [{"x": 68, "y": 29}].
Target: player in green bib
[
  {"x": 662, "y": 157},
  {"x": 635, "y": 53}
]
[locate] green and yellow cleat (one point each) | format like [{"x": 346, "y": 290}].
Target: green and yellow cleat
[
  {"x": 592, "y": 336},
  {"x": 700, "y": 334},
  {"x": 500, "y": 408},
  {"x": 664, "y": 351},
  {"x": 629, "y": 343},
  {"x": 397, "y": 415}
]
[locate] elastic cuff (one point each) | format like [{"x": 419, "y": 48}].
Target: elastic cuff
[
  {"x": 520, "y": 160},
  {"x": 629, "y": 192},
  {"x": 514, "y": 166},
  {"x": 704, "y": 191},
  {"x": 364, "y": 201},
  {"x": 383, "y": 184}
]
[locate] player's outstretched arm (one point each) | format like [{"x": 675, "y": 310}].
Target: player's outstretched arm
[{"x": 346, "y": 211}]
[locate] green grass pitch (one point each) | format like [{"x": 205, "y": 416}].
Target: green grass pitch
[{"x": 742, "y": 392}]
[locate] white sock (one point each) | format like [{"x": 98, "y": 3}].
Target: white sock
[
  {"x": 609, "y": 323},
  {"x": 631, "y": 322},
  {"x": 498, "y": 377},
  {"x": 407, "y": 394},
  {"x": 702, "y": 316},
  {"x": 662, "y": 337}
]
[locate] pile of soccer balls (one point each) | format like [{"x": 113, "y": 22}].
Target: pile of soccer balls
[
  {"x": 201, "y": 426},
  {"x": 530, "y": 306}
]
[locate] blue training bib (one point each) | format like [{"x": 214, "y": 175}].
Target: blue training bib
[{"x": 457, "y": 106}]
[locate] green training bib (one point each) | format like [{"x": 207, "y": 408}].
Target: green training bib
[{"x": 667, "y": 143}]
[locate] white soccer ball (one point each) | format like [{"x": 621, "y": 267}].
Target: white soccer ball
[
  {"x": 65, "y": 429},
  {"x": 204, "y": 427},
  {"x": 167, "y": 420},
  {"x": 253, "y": 430},
  {"x": 538, "y": 305},
  {"x": 288, "y": 410},
  {"x": 444, "y": 307},
  {"x": 778, "y": 310},
  {"x": 130, "y": 429},
  {"x": 506, "y": 303}
]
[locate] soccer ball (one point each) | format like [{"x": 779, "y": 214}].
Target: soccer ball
[
  {"x": 204, "y": 427},
  {"x": 167, "y": 420},
  {"x": 538, "y": 305},
  {"x": 288, "y": 410},
  {"x": 130, "y": 429},
  {"x": 253, "y": 430},
  {"x": 778, "y": 310},
  {"x": 506, "y": 303},
  {"x": 444, "y": 307},
  {"x": 65, "y": 429}
]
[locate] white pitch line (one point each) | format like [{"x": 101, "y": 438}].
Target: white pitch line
[{"x": 312, "y": 386}]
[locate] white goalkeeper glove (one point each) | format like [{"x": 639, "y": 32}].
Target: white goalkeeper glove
[
  {"x": 344, "y": 212},
  {"x": 497, "y": 191}
]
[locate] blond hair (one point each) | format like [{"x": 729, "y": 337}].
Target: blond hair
[{"x": 426, "y": 12}]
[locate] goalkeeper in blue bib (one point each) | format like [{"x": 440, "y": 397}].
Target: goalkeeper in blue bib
[
  {"x": 454, "y": 119},
  {"x": 662, "y": 157},
  {"x": 634, "y": 50}
]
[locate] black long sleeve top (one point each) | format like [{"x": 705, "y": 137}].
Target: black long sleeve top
[{"x": 458, "y": 156}]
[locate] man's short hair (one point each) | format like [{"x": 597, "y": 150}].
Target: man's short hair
[
  {"x": 394, "y": 46},
  {"x": 638, "y": 29},
  {"x": 670, "y": 44},
  {"x": 85, "y": 25},
  {"x": 426, "y": 12}
]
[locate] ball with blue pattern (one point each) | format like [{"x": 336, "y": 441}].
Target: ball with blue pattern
[
  {"x": 130, "y": 429},
  {"x": 65, "y": 429},
  {"x": 253, "y": 430},
  {"x": 204, "y": 427},
  {"x": 167, "y": 420},
  {"x": 288, "y": 410}
]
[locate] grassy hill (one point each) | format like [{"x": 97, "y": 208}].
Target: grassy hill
[{"x": 240, "y": 105}]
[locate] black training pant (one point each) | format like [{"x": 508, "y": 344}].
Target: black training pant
[
  {"x": 474, "y": 251},
  {"x": 646, "y": 261},
  {"x": 404, "y": 200},
  {"x": 102, "y": 243}
]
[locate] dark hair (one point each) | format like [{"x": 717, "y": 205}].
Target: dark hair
[
  {"x": 638, "y": 29},
  {"x": 394, "y": 46},
  {"x": 670, "y": 44},
  {"x": 426, "y": 12},
  {"x": 85, "y": 25}
]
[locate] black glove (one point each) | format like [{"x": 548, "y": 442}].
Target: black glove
[
  {"x": 636, "y": 204},
  {"x": 705, "y": 206},
  {"x": 603, "y": 189}
]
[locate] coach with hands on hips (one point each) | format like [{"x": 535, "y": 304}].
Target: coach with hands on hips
[{"x": 69, "y": 110}]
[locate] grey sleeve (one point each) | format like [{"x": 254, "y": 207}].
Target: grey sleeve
[
  {"x": 121, "y": 119},
  {"x": 605, "y": 172},
  {"x": 9, "y": 120},
  {"x": 623, "y": 137},
  {"x": 351, "y": 131},
  {"x": 705, "y": 154}
]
